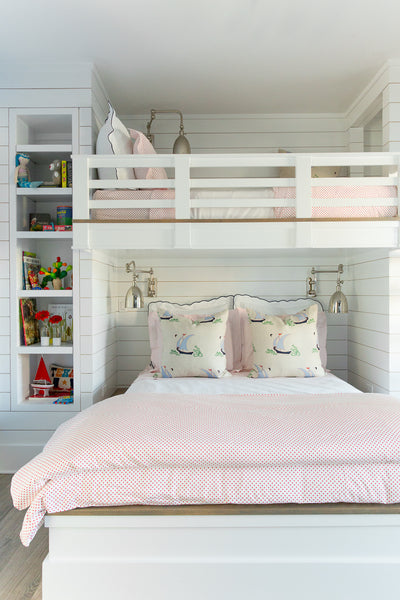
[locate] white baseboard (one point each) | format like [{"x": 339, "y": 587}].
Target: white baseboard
[{"x": 14, "y": 456}]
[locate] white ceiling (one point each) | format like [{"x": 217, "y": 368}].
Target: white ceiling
[{"x": 212, "y": 56}]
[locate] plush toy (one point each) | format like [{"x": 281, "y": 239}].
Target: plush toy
[
  {"x": 55, "y": 168},
  {"x": 22, "y": 176}
]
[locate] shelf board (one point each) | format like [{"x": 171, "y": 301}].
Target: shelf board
[
  {"x": 44, "y": 235},
  {"x": 27, "y": 405},
  {"x": 44, "y": 148},
  {"x": 44, "y": 293},
  {"x": 65, "y": 348},
  {"x": 45, "y": 193}
]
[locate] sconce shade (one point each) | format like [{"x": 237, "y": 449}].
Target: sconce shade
[
  {"x": 338, "y": 302},
  {"x": 134, "y": 298},
  {"x": 181, "y": 145}
]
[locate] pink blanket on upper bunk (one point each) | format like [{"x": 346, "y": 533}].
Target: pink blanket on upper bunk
[
  {"x": 171, "y": 449},
  {"x": 366, "y": 194}
]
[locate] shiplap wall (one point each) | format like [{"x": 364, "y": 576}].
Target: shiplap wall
[
  {"x": 98, "y": 334},
  {"x": 183, "y": 280},
  {"x": 368, "y": 290},
  {"x": 247, "y": 133},
  {"x": 394, "y": 322}
]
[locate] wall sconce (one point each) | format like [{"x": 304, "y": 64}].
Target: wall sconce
[
  {"x": 338, "y": 301},
  {"x": 134, "y": 296},
  {"x": 181, "y": 145}
]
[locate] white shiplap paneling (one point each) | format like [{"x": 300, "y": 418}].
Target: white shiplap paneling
[
  {"x": 189, "y": 279},
  {"x": 98, "y": 333}
]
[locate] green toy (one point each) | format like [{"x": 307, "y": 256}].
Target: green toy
[{"x": 51, "y": 274}]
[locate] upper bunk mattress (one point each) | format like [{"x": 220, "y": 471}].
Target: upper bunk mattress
[
  {"x": 195, "y": 213},
  {"x": 365, "y": 194}
]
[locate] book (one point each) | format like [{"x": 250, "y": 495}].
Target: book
[
  {"x": 37, "y": 220},
  {"x": 25, "y": 253},
  {"x": 31, "y": 268},
  {"x": 69, "y": 173},
  {"x": 63, "y": 173},
  {"x": 29, "y": 325},
  {"x": 66, "y": 312}
]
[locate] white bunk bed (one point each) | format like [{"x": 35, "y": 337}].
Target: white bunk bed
[
  {"x": 230, "y": 552},
  {"x": 190, "y": 193}
]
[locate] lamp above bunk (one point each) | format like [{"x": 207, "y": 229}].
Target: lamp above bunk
[
  {"x": 134, "y": 295},
  {"x": 181, "y": 144},
  {"x": 338, "y": 301}
]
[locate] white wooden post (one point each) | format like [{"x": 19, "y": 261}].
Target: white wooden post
[
  {"x": 182, "y": 200},
  {"x": 303, "y": 200},
  {"x": 356, "y": 144},
  {"x": 80, "y": 200}
]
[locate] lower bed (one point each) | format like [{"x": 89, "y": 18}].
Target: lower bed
[
  {"x": 232, "y": 440},
  {"x": 367, "y": 198},
  {"x": 167, "y": 442}
]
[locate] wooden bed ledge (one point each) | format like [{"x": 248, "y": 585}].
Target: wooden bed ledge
[{"x": 235, "y": 509}]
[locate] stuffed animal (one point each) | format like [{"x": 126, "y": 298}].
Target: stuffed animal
[
  {"x": 55, "y": 168},
  {"x": 22, "y": 176}
]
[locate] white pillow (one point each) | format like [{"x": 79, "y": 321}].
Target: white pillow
[
  {"x": 114, "y": 138},
  {"x": 285, "y": 347},
  {"x": 200, "y": 308},
  {"x": 275, "y": 307},
  {"x": 193, "y": 348}
]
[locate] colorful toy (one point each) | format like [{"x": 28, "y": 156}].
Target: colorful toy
[
  {"x": 22, "y": 176},
  {"x": 42, "y": 383},
  {"x": 54, "y": 273}
]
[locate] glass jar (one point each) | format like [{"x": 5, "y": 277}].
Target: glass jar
[
  {"x": 44, "y": 334},
  {"x": 56, "y": 332}
]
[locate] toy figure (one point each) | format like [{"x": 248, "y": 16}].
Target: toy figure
[
  {"x": 22, "y": 176},
  {"x": 55, "y": 168}
]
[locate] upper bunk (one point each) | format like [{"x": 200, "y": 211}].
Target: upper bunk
[{"x": 237, "y": 201}]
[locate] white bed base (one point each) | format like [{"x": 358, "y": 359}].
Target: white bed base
[
  {"x": 186, "y": 233},
  {"x": 223, "y": 557}
]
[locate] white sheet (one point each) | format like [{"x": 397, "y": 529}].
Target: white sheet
[{"x": 239, "y": 383}]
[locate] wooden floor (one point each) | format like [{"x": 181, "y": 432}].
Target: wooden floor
[{"x": 20, "y": 567}]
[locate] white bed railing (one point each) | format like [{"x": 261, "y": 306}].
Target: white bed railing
[{"x": 192, "y": 172}]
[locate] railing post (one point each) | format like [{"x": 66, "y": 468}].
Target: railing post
[
  {"x": 182, "y": 200},
  {"x": 303, "y": 201},
  {"x": 80, "y": 200},
  {"x": 182, "y": 186}
]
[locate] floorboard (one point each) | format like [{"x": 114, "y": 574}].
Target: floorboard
[{"x": 20, "y": 567}]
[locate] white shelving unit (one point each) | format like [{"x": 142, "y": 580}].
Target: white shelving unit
[{"x": 46, "y": 135}]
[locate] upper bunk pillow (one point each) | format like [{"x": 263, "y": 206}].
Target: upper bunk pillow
[
  {"x": 160, "y": 310},
  {"x": 285, "y": 346},
  {"x": 290, "y": 172},
  {"x": 193, "y": 348},
  {"x": 114, "y": 139},
  {"x": 242, "y": 303},
  {"x": 143, "y": 145}
]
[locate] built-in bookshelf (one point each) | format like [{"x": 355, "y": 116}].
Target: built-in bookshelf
[{"x": 45, "y": 135}]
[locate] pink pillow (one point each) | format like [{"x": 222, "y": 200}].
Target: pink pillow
[
  {"x": 233, "y": 347},
  {"x": 143, "y": 146}
]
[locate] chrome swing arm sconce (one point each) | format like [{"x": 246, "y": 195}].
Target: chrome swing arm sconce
[
  {"x": 338, "y": 301},
  {"x": 134, "y": 296},
  {"x": 181, "y": 144}
]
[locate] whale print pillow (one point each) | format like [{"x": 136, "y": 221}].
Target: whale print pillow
[
  {"x": 193, "y": 347},
  {"x": 285, "y": 346}
]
